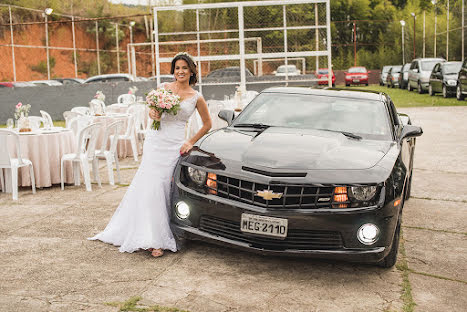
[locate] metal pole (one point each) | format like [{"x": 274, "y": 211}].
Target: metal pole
[
  {"x": 259, "y": 48},
  {"x": 436, "y": 19},
  {"x": 198, "y": 47},
  {"x": 424, "y": 33},
  {"x": 286, "y": 48},
  {"x": 328, "y": 40},
  {"x": 153, "y": 57},
  {"x": 414, "y": 18},
  {"x": 12, "y": 45},
  {"x": 462, "y": 30},
  {"x": 355, "y": 42},
  {"x": 156, "y": 45},
  {"x": 403, "y": 44},
  {"x": 241, "y": 35},
  {"x": 97, "y": 50},
  {"x": 47, "y": 46},
  {"x": 316, "y": 36},
  {"x": 116, "y": 45},
  {"x": 74, "y": 45},
  {"x": 447, "y": 34},
  {"x": 128, "y": 51},
  {"x": 133, "y": 60}
]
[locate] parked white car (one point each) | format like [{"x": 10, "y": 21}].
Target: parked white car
[
  {"x": 419, "y": 73},
  {"x": 291, "y": 70}
]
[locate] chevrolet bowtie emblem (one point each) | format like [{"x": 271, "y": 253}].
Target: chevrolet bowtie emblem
[{"x": 268, "y": 194}]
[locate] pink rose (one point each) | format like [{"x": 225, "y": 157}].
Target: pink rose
[
  {"x": 19, "y": 105},
  {"x": 129, "y": 92}
]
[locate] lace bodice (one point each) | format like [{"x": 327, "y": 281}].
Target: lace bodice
[{"x": 187, "y": 107}]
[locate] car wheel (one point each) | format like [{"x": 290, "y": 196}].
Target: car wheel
[
  {"x": 445, "y": 92},
  {"x": 366, "y": 84},
  {"x": 459, "y": 95},
  {"x": 419, "y": 88},
  {"x": 430, "y": 90},
  {"x": 409, "y": 87},
  {"x": 409, "y": 186},
  {"x": 347, "y": 85},
  {"x": 391, "y": 258}
]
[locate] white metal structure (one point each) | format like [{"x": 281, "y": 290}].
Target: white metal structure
[
  {"x": 110, "y": 154},
  {"x": 7, "y": 162},
  {"x": 83, "y": 110},
  {"x": 47, "y": 119},
  {"x": 242, "y": 56},
  {"x": 126, "y": 98},
  {"x": 130, "y": 133},
  {"x": 83, "y": 155}
]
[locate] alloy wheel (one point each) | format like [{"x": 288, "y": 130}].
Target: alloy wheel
[
  {"x": 445, "y": 92},
  {"x": 459, "y": 94},
  {"x": 430, "y": 90}
]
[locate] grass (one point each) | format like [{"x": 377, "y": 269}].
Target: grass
[
  {"x": 404, "y": 98},
  {"x": 402, "y": 265},
  {"x": 57, "y": 123},
  {"x": 132, "y": 304}
]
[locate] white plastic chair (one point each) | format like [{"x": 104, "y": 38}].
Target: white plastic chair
[
  {"x": 110, "y": 155},
  {"x": 139, "y": 113},
  {"x": 83, "y": 155},
  {"x": 68, "y": 116},
  {"x": 6, "y": 161},
  {"x": 48, "y": 122},
  {"x": 126, "y": 99},
  {"x": 130, "y": 135},
  {"x": 35, "y": 122},
  {"x": 78, "y": 123},
  {"x": 97, "y": 107},
  {"x": 83, "y": 110}
]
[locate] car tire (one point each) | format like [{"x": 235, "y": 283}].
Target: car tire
[
  {"x": 366, "y": 84},
  {"x": 445, "y": 92},
  {"x": 391, "y": 258},
  {"x": 459, "y": 95},
  {"x": 409, "y": 88},
  {"x": 430, "y": 90},
  {"x": 409, "y": 186},
  {"x": 419, "y": 88},
  {"x": 347, "y": 85}
]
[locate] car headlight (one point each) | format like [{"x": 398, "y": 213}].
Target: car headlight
[
  {"x": 368, "y": 234},
  {"x": 197, "y": 176},
  {"x": 182, "y": 210},
  {"x": 452, "y": 82},
  {"x": 363, "y": 193}
]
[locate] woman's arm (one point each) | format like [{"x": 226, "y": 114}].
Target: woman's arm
[{"x": 203, "y": 111}]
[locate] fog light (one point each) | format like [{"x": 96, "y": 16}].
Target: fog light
[
  {"x": 182, "y": 210},
  {"x": 368, "y": 234}
]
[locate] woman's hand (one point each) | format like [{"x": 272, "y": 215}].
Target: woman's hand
[
  {"x": 186, "y": 148},
  {"x": 155, "y": 115}
]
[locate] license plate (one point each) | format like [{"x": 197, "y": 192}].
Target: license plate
[
  {"x": 356, "y": 80},
  {"x": 264, "y": 225}
]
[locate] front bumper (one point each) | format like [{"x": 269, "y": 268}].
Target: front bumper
[{"x": 332, "y": 233}]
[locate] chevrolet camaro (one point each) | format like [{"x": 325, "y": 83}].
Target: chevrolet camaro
[{"x": 301, "y": 172}]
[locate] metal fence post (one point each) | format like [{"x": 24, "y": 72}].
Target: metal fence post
[
  {"x": 241, "y": 35},
  {"x": 97, "y": 49},
  {"x": 47, "y": 46},
  {"x": 12, "y": 45},
  {"x": 118, "y": 51},
  {"x": 74, "y": 45},
  {"x": 328, "y": 40}
]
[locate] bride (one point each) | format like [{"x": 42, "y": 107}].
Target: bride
[{"x": 141, "y": 221}]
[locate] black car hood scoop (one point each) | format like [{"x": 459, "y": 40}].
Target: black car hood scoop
[{"x": 287, "y": 148}]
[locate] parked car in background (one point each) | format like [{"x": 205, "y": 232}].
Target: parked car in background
[
  {"x": 404, "y": 76},
  {"x": 228, "y": 72},
  {"x": 384, "y": 74},
  {"x": 46, "y": 83},
  {"x": 21, "y": 84},
  {"x": 392, "y": 79},
  {"x": 290, "y": 70},
  {"x": 110, "y": 78},
  {"x": 419, "y": 73},
  {"x": 164, "y": 78},
  {"x": 443, "y": 78},
  {"x": 356, "y": 75},
  {"x": 6, "y": 85},
  {"x": 461, "y": 89},
  {"x": 334, "y": 188},
  {"x": 67, "y": 81},
  {"x": 322, "y": 75}
]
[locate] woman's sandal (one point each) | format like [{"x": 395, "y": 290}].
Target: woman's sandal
[{"x": 156, "y": 253}]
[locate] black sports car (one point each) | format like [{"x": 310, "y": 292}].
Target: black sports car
[{"x": 306, "y": 172}]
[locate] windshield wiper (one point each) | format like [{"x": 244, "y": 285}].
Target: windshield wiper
[
  {"x": 252, "y": 125},
  {"x": 347, "y": 134}
]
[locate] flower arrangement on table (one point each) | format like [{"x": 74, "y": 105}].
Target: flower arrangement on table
[
  {"x": 163, "y": 101},
  {"x": 21, "y": 114},
  {"x": 100, "y": 96},
  {"x": 132, "y": 90}
]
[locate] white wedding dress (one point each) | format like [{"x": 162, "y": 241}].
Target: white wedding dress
[{"x": 141, "y": 221}]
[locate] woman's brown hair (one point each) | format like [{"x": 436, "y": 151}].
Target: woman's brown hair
[{"x": 191, "y": 66}]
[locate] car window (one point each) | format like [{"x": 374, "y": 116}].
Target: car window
[
  {"x": 452, "y": 68},
  {"x": 355, "y": 70},
  {"x": 386, "y": 69},
  {"x": 428, "y": 65},
  {"x": 396, "y": 69},
  {"x": 367, "y": 118},
  {"x": 290, "y": 68},
  {"x": 323, "y": 71}
]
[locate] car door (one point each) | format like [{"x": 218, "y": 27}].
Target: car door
[
  {"x": 463, "y": 76},
  {"x": 412, "y": 77},
  {"x": 436, "y": 79}
]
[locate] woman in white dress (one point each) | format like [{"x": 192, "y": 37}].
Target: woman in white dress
[{"x": 141, "y": 221}]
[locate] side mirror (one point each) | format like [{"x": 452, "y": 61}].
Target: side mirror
[
  {"x": 410, "y": 131},
  {"x": 227, "y": 115}
]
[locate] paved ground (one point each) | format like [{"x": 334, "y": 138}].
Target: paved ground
[{"x": 48, "y": 265}]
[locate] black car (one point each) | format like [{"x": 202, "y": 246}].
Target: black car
[
  {"x": 392, "y": 79},
  {"x": 443, "y": 78},
  {"x": 404, "y": 76},
  {"x": 461, "y": 89},
  {"x": 303, "y": 172},
  {"x": 228, "y": 72}
]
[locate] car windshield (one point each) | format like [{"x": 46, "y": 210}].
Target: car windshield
[
  {"x": 363, "y": 117},
  {"x": 428, "y": 65},
  {"x": 290, "y": 68},
  {"x": 354, "y": 70},
  {"x": 396, "y": 69},
  {"x": 386, "y": 69},
  {"x": 323, "y": 71},
  {"x": 453, "y": 68},
  {"x": 406, "y": 67}
]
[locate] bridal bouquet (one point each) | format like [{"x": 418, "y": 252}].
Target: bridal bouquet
[{"x": 164, "y": 101}]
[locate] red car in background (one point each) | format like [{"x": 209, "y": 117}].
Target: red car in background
[
  {"x": 6, "y": 85},
  {"x": 322, "y": 75},
  {"x": 356, "y": 75}
]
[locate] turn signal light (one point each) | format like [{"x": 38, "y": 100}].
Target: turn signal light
[
  {"x": 397, "y": 203},
  {"x": 211, "y": 183},
  {"x": 340, "y": 196}
]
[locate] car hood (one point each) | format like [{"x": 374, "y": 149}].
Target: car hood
[
  {"x": 286, "y": 148},
  {"x": 450, "y": 77}
]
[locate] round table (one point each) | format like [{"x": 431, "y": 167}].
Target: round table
[{"x": 44, "y": 148}]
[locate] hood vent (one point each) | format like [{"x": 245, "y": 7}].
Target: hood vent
[{"x": 276, "y": 174}]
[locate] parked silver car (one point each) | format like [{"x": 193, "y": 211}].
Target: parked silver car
[
  {"x": 111, "y": 78},
  {"x": 384, "y": 75},
  {"x": 419, "y": 73}
]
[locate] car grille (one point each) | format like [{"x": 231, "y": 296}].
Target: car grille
[
  {"x": 296, "y": 239},
  {"x": 294, "y": 196}
]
